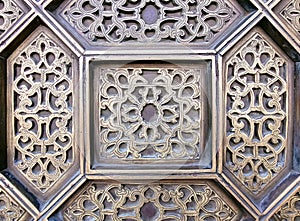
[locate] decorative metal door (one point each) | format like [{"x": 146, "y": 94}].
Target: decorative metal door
[{"x": 149, "y": 110}]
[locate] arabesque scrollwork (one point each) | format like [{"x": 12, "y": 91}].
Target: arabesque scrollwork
[
  {"x": 10, "y": 13},
  {"x": 148, "y": 113},
  {"x": 256, "y": 91},
  {"x": 178, "y": 202},
  {"x": 115, "y": 21},
  {"x": 42, "y": 112},
  {"x": 291, "y": 13}
]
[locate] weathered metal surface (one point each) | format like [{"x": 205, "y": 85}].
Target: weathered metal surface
[{"x": 190, "y": 105}]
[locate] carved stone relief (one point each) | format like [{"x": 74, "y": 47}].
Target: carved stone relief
[
  {"x": 149, "y": 112},
  {"x": 180, "y": 202},
  {"x": 42, "y": 95},
  {"x": 149, "y": 21},
  {"x": 10, "y": 13},
  {"x": 256, "y": 111}
]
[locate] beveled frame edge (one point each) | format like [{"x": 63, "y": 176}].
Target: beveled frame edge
[
  {"x": 61, "y": 198},
  {"x": 18, "y": 27},
  {"x": 52, "y": 23},
  {"x": 243, "y": 201},
  {"x": 71, "y": 172},
  {"x": 285, "y": 28},
  {"x": 290, "y": 88},
  {"x": 181, "y": 174},
  {"x": 289, "y": 192},
  {"x": 12, "y": 191}
]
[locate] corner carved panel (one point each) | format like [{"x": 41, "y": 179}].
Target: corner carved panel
[
  {"x": 172, "y": 21},
  {"x": 179, "y": 202},
  {"x": 10, "y": 13},
  {"x": 257, "y": 113},
  {"x": 290, "y": 210},
  {"x": 150, "y": 112},
  {"x": 9, "y": 209},
  {"x": 291, "y": 13},
  {"x": 42, "y": 111}
]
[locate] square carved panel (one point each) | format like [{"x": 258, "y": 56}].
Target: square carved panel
[{"x": 150, "y": 113}]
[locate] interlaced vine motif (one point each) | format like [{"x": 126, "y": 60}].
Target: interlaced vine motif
[
  {"x": 42, "y": 88},
  {"x": 256, "y": 114},
  {"x": 291, "y": 13},
  {"x": 290, "y": 210},
  {"x": 9, "y": 209},
  {"x": 148, "y": 202},
  {"x": 116, "y": 21},
  {"x": 150, "y": 113},
  {"x": 9, "y": 14}
]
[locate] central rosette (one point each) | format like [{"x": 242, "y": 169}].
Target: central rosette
[{"x": 150, "y": 113}]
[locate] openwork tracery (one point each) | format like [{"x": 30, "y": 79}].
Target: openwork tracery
[
  {"x": 290, "y": 210},
  {"x": 116, "y": 21},
  {"x": 292, "y": 14},
  {"x": 148, "y": 202},
  {"x": 150, "y": 113},
  {"x": 10, "y": 12},
  {"x": 257, "y": 109},
  {"x": 9, "y": 209},
  {"x": 42, "y": 112}
]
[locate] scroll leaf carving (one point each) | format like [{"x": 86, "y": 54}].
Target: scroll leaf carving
[
  {"x": 148, "y": 202},
  {"x": 291, "y": 13},
  {"x": 9, "y": 209},
  {"x": 9, "y": 14},
  {"x": 257, "y": 108},
  {"x": 43, "y": 93},
  {"x": 149, "y": 21},
  {"x": 150, "y": 113},
  {"x": 290, "y": 210}
]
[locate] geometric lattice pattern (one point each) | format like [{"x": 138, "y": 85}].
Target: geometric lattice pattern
[
  {"x": 149, "y": 21},
  {"x": 42, "y": 91},
  {"x": 257, "y": 108}
]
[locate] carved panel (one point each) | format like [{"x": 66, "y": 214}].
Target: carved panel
[
  {"x": 10, "y": 13},
  {"x": 257, "y": 113},
  {"x": 42, "y": 111},
  {"x": 290, "y": 210},
  {"x": 178, "y": 202},
  {"x": 9, "y": 209},
  {"x": 291, "y": 13},
  {"x": 150, "y": 111},
  {"x": 150, "y": 21}
]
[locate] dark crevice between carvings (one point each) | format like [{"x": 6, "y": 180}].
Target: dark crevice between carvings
[
  {"x": 3, "y": 123},
  {"x": 279, "y": 39}
]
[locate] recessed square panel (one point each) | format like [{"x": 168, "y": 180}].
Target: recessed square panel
[{"x": 151, "y": 114}]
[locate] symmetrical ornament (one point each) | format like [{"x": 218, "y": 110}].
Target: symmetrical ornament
[
  {"x": 178, "y": 202},
  {"x": 10, "y": 12},
  {"x": 257, "y": 107},
  {"x": 42, "y": 95},
  {"x": 118, "y": 21},
  {"x": 150, "y": 113},
  {"x": 290, "y": 210},
  {"x": 9, "y": 209},
  {"x": 291, "y": 13}
]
